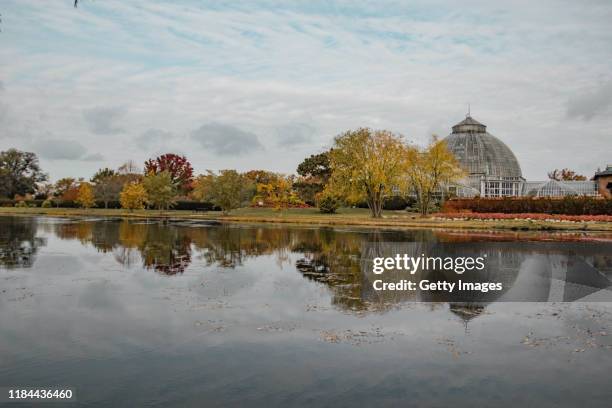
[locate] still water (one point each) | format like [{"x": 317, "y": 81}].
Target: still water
[{"x": 145, "y": 313}]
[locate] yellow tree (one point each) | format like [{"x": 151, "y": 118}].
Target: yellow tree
[
  {"x": 367, "y": 165},
  {"x": 85, "y": 196},
  {"x": 430, "y": 170},
  {"x": 278, "y": 193},
  {"x": 133, "y": 196}
]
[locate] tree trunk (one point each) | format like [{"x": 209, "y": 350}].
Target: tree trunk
[{"x": 375, "y": 206}]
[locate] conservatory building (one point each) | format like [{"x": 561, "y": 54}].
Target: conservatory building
[{"x": 493, "y": 170}]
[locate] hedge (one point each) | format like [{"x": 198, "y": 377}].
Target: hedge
[
  {"x": 393, "y": 203},
  {"x": 571, "y": 205}
]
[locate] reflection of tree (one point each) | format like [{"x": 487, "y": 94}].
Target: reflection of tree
[
  {"x": 228, "y": 247},
  {"x": 338, "y": 259},
  {"x": 18, "y": 242},
  {"x": 81, "y": 230},
  {"x": 162, "y": 247},
  {"x": 167, "y": 249},
  {"x": 333, "y": 258}
]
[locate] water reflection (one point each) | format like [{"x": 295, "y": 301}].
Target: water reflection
[
  {"x": 339, "y": 259},
  {"x": 19, "y": 242}
]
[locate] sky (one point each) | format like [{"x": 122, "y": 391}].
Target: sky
[{"x": 264, "y": 84}]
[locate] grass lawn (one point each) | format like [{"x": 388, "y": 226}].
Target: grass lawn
[{"x": 312, "y": 216}]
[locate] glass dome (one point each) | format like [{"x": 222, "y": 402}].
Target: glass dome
[
  {"x": 480, "y": 152},
  {"x": 492, "y": 168}
]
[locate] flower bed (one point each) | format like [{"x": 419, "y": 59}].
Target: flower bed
[{"x": 524, "y": 216}]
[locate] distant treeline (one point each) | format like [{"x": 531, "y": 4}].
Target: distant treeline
[
  {"x": 180, "y": 205},
  {"x": 572, "y": 205}
]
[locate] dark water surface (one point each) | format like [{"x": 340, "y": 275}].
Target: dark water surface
[{"x": 135, "y": 313}]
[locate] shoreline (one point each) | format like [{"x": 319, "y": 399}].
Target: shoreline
[{"x": 345, "y": 217}]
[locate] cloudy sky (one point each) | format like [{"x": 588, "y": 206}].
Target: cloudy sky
[{"x": 262, "y": 84}]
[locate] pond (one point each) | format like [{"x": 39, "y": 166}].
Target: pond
[{"x": 184, "y": 313}]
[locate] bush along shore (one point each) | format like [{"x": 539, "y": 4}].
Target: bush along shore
[{"x": 343, "y": 217}]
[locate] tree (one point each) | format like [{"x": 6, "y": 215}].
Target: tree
[
  {"x": 261, "y": 176},
  {"x": 19, "y": 173},
  {"x": 227, "y": 190},
  {"x": 133, "y": 196},
  {"x": 179, "y": 168},
  {"x": 316, "y": 166},
  {"x": 430, "y": 169},
  {"x": 44, "y": 191},
  {"x": 63, "y": 185},
  {"x": 367, "y": 165},
  {"x": 85, "y": 197},
  {"x": 315, "y": 172},
  {"x": 278, "y": 193},
  {"x": 565, "y": 175},
  {"x": 102, "y": 174},
  {"x": 107, "y": 185},
  {"x": 161, "y": 191},
  {"x": 66, "y": 189}
]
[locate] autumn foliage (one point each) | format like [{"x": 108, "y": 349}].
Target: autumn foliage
[
  {"x": 525, "y": 216},
  {"x": 179, "y": 168},
  {"x": 133, "y": 196},
  {"x": 278, "y": 194},
  {"x": 85, "y": 196}
]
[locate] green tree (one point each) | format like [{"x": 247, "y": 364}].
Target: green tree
[
  {"x": 227, "y": 190},
  {"x": 133, "y": 196},
  {"x": 161, "y": 191},
  {"x": 314, "y": 174},
  {"x": 367, "y": 165},
  {"x": 19, "y": 173},
  {"x": 85, "y": 197},
  {"x": 316, "y": 166},
  {"x": 430, "y": 169}
]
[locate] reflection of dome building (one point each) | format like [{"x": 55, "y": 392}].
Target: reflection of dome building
[
  {"x": 493, "y": 170},
  {"x": 492, "y": 167}
]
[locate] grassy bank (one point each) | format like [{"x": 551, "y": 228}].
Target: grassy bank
[{"x": 311, "y": 216}]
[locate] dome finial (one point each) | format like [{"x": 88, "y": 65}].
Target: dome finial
[{"x": 468, "y": 113}]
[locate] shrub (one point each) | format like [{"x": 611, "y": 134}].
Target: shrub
[
  {"x": 21, "y": 204},
  {"x": 328, "y": 203},
  {"x": 195, "y": 206},
  {"x": 571, "y": 205},
  {"x": 47, "y": 204},
  {"x": 395, "y": 203}
]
